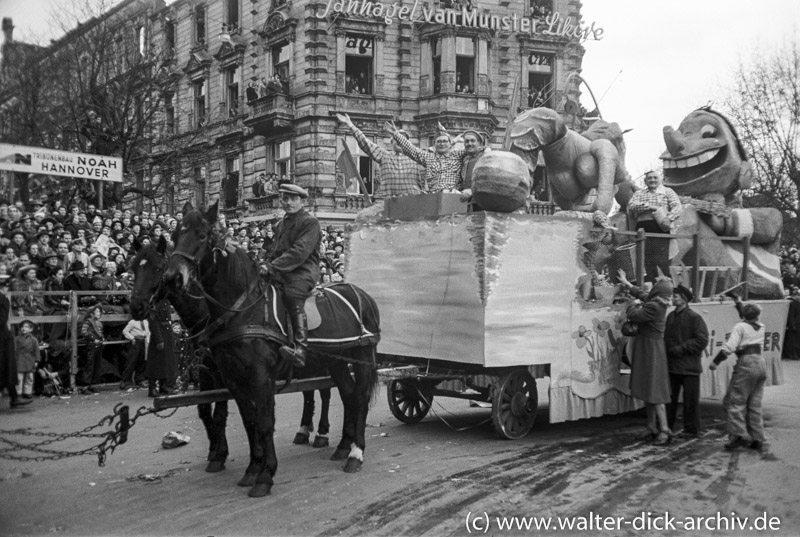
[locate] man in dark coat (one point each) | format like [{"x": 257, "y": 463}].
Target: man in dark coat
[
  {"x": 162, "y": 363},
  {"x": 685, "y": 338},
  {"x": 8, "y": 357},
  {"x": 78, "y": 281},
  {"x": 294, "y": 263}
]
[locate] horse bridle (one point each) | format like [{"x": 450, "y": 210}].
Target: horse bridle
[{"x": 238, "y": 306}]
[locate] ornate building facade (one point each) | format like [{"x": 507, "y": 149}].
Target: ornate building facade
[{"x": 252, "y": 88}]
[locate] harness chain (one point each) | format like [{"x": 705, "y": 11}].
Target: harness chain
[{"x": 112, "y": 439}]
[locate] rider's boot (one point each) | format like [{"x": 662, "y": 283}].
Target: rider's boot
[{"x": 297, "y": 352}]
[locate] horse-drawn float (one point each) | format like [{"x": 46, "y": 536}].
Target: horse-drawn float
[
  {"x": 499, "y": 298},
  {"x": 495, "y": 301}
]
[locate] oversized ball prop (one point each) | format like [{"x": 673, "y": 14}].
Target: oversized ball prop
[{"x": 500, "y": 182}]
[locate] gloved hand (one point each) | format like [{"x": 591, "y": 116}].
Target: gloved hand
[
  {"x": 159, "y": 346},
  {"x": 267, "y": 269}
]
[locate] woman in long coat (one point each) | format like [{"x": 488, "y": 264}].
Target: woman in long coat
[
  {"x": 162, "y": 363},
  {"x": 649, "y": 372}
]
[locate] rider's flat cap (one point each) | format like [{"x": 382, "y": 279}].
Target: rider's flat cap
[{"x": 288, "y": 188}]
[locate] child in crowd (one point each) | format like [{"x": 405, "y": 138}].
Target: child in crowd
[
  {"x": 92, "y": 331},
  {"x": 27, "y": 347}
]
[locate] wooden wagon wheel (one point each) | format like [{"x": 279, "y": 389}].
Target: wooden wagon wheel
[
  {"x": 409, "y": 399},
  {"x": 514, "y": 404}
]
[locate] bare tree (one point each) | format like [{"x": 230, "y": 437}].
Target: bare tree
[{"x": 763, "y": 104}]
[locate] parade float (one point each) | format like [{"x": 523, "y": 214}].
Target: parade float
[{"x": 486, "y": 303}]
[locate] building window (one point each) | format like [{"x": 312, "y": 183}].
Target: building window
[
  {"x": 436, "y": 46},
  {"x": 540, "y": 80},
  {"x": 280, "y": 64},
  {"x": 199, "y": 174},
  {"x": 281, "y": 157},
  {"x": 232, "y": 15},
  {"x": 540, "y": 9},
  {"x": 200, "y": 25},
  {"x": 364, "y": 164},
  {"x": 169, "y": 113},
  {"x": 358, "y": 64},
  {"x": 465, "y": 65},
  {"x": 232, "y": 91},
  {"x": 199, "y": 103},
  {"x": 169, "y": 37},
  {"x": 230, "y": 183}
]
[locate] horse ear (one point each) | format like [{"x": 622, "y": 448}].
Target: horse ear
[
  {"x": 211, "y": 214},
  {"x": 136, "y": 244},
  {"x": 162, "y": 245},
  {"x": 187, "y": 207}
]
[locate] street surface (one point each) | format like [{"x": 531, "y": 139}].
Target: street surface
[{"x": 424, "y": 479}]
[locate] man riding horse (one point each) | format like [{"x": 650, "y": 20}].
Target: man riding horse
[{"x": 294, "y": 262}]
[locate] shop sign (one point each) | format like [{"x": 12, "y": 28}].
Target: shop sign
[
  {"x": 553, "y": 25},
  {"x": 40, "y": 160}
]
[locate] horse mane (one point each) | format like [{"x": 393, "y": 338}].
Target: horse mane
[
  {"x": 232, "y": 264},
  {"x": 237, "y": 266}
]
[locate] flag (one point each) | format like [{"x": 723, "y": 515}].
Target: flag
[{"x": 349, "y": 168}]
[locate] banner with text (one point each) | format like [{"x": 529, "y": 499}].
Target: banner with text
[{"x": 40, "y": 160}]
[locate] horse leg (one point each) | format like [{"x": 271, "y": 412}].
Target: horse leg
[
  {"x": 321, "y": 440},
  {"x": 263, "y": 389},
  {"x": 214, "y": 423},
  {"x": 365, "y": 377},
  {"x": 307, "y": 421},
  {"x": 220, "y": 419},
  {"x": 248, "y": 413},
  {"x": 344, "y": 381}
]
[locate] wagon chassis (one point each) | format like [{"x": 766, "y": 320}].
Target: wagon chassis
[{"x": 412, "y": 384}]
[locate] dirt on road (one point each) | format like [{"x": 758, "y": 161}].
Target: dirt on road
[{"x": 425, "y": 479}]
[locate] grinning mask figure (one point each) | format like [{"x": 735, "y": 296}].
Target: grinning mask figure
[{"x": 704, "y": 158}]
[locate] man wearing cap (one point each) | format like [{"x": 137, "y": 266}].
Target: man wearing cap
[
  {"x": 685, "y": 338},
  {"x": 475, "y": 149},
  {"x": 398, "y": 175},
  {"x": 294, "y": 262},
  {"x": 442, "y": 167}
]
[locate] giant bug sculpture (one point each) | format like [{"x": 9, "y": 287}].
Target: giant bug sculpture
[{"x": 246, "y": 327}]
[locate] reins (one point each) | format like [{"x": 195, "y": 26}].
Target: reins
[{"x": 237, "y": 307}]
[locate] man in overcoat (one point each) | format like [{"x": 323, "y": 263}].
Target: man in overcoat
[
  {"x": 294, "y": 263},
  {"x": 685, "y": 337}
]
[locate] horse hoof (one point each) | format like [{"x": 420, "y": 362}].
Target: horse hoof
[
  {"x": 320, "y": 441},
  {"x": 260, "y": 490},
  {"x": 247, "y": 480},
  {"x": 340, "y": 454},
  {"x": 215, "y": 466},
  {"x": 352, "y": 465},
  {"x": 300, "y": 438}
]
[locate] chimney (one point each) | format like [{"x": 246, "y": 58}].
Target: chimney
[{"x": 8, "y": 29}]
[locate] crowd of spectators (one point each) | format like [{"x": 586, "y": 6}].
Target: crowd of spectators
[{"x": 58, "y": 248}]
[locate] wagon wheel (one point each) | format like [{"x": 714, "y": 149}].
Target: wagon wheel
[
  {"x": 514, "y": 404},
  {"x": 409, "y": 400}
]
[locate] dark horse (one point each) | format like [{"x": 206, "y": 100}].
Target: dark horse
[
  {"x": 248, "y": 328},
  {"x": 148, "y": 267}
]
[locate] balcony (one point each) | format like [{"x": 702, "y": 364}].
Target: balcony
[
  {"x": 270, "y": 114},
  {"x": 455, "y": 104},
  {"x": 264, "y": 203}
]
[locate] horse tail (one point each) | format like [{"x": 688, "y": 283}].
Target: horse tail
[{"x": 372, "y": 372}]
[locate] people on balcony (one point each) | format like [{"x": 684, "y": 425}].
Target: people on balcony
[{"x": 251, "y": 93}]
